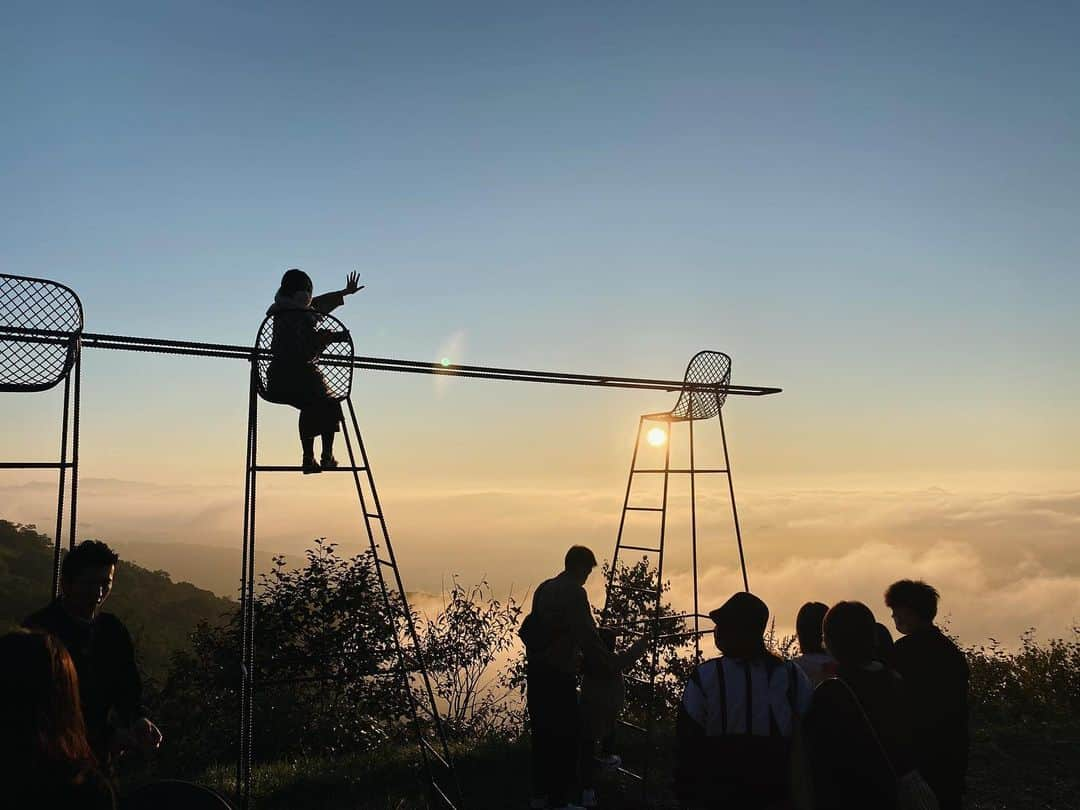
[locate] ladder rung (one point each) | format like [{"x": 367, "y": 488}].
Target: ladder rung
[
  {"x": 387, "y": 563},
  {"x": 373, "y": 515},
  {"x": 695, "y": 471},
  {"x": 640, "y": 548},
  {"x": 431, "y": 750},
  {"x": 35, "y": 465},
  {"x": 631, "y": 774},
  {"x": 638, "y": 681},
  {"x": 290, "y": 468},
  {"x": 633, "y": 726},
  {"x": 644, "y": 509}
]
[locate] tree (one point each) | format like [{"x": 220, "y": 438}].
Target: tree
[
  {"x": 326, "y": 675},
  {"x": 462, "y": 645}
]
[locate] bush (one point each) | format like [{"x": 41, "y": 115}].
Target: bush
[{"x": 1037, "y": 683}]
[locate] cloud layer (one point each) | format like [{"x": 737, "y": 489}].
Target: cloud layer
[{"x": 1003, "y": 561}]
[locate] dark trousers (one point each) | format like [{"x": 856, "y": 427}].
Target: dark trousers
[
  {"x": 555, "y": 726},
  {"x": 320, "y": 417}
]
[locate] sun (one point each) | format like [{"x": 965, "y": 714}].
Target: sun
[{"x": 656, "y": 436}]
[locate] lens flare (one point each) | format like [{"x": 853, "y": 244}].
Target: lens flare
[
  {"x": 656, "y": 436},
  {"x": 445, "y": 362}
]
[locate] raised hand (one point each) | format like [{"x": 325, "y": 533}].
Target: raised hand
[{"x": 352, "y": 284}]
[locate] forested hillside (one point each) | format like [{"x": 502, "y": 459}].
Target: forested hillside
[{"x": 159, "y": 612}]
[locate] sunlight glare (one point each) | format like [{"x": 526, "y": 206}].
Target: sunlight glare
[{"x": 657, "y": 436}]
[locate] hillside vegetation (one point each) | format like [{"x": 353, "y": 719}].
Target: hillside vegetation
[
  {"x": 161, "y": 614},
  {"x": 334, "y": 737}
]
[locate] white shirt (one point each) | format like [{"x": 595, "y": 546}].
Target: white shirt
[{"x": 738, "y": 696}]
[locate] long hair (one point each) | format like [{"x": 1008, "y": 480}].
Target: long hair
[{"x": 43, "y": 726}]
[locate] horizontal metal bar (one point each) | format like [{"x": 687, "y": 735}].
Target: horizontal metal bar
[
  {"x": 644, "y": 509},
  {"x": 387, "y": 563},
  {"x": 640, "y": 548},
  {"x": 685, "y": 634},
  {"x": 290, "y": 468},
  {"x": 631, "y": 774},
  {"x": 633, "y": 726},
  {"x": 35, "y": 465},
  {"x": 638, "y": 681},
  {"x": 617, "y": 586},
  {"x": 169, "y": 346},
  {"x": 372, "y": 515},
  {"x": 682, "y": 471}
]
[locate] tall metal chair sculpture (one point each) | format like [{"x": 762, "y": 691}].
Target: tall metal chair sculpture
[
  {"x": 709, "y": 372},
  {"x": 41, "y": 324},
  {"x": 335, "y": 368}
]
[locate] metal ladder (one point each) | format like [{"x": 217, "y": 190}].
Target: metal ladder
[
  {"x": 655, "y": 594},
  {"x": 440, "y": 773}
]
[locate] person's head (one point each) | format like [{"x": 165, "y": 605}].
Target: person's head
[
  {"x": 808, "y": 626},
  {"x": 579, "y": 563},
  {"x": 86, "y": 577},
  {"x": 39, "y": 701},
  {"x": 913, "y": 605},
  {"x": 740, "y": 625},
  {"x": 296, "y": 284},
  {"x": 883, "y": 643},
  {"x": 849, "y": 633}
]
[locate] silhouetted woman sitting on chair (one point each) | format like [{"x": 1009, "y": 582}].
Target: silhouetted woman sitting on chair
[{"x": 293, "y": 377}]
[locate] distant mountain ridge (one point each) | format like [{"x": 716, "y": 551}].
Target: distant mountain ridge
[
  {"x": 159, "y": 612},
  {"x": 212, "y": 567}
]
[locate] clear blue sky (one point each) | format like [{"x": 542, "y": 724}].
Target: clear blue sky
[
  {"x": 875, "y": 206},
  {"x": 857, "y": 202}
]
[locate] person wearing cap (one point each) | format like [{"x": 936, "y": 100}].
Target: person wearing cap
[
  {"x": 559, "y": 633},
  {"x": 735, "y": 721}
]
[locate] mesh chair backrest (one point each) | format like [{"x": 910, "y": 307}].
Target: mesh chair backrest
[
  {"x": 40, "y": 325},
  {"x": 705, "y": 368},
  {"x": 296, "y": 340}
]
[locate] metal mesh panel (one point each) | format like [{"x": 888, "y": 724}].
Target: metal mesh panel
[
  {"x": 705, "y": 368},
  {"x": 316, "y": 348},
  {"x": 40, "y": 325}
]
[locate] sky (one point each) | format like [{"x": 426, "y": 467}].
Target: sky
[{"x": 874, "y": 208}]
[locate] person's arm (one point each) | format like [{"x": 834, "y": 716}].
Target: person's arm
[
  {"x": 328, "y": 302},
  {"x": 583, "y": 628},
  {"x": 128, "y": 691},
  {"x": 690, "y": 741}
]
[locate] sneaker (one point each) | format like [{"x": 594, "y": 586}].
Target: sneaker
[
  {"x": 610, "y": 762},
  {"x": 588, "y": 797},
  {"x": 328, "y": 463},
  {"x": 310, "y": 465}
]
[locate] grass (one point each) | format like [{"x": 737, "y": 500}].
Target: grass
[{"x": 1018, "y": 767}]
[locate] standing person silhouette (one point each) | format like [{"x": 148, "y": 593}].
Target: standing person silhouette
[
  {"x": 813, "y": 659},
  {"x": 293, "y": 377},
  {"x": 733, "y": 733},
  {"x": 935, "y": 674},
  {"x": 558, "y": 633},
  {"x": 101, "y": 648}
]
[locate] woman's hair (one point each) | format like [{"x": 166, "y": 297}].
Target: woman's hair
[
  {"x": 850, "y": 631},
  {"x": 39, "y": 701},
  {"x": 808, "y": 626},
  {"x": 294, "y": 281}
]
